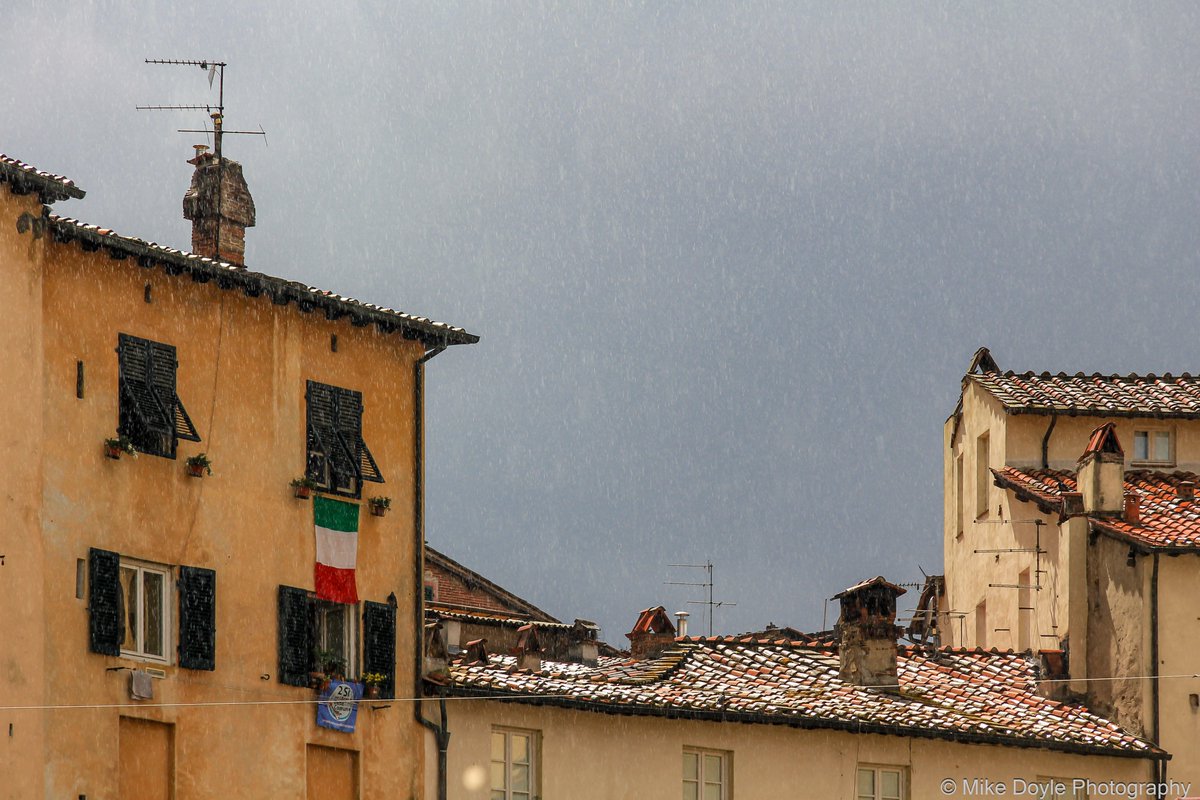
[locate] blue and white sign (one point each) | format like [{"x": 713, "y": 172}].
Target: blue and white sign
[{"x": 338, "y": 708}]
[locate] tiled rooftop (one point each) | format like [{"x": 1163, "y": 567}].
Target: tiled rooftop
[
  {"x": 447, "y": 611},
  {"x": 953, "y": 694},
  {"x": 27, "y": 178},
  {"x": 1176, "y": 396},
  {"x": 1166, "y": 520}
]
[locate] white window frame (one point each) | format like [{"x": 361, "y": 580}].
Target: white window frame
[
  {"x": 534, "y": 750},
  {"x": 877, "y": 771},
  {"x": 138, "y": 637},
  {"x": 350, "y": 621},
  {"x": 1149, "y": 431},
  {"x": 726, "y": 779}
]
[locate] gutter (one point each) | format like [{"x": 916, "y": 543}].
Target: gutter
[
  {"x": 1155, "y": 731},
  {"x": 811, "y": 723},
  {"x": 1046, "y": 442},
  {"x": 442, "y": 734}
]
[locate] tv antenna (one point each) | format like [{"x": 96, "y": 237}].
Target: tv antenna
[
  {"x": 215, "y": 70},
  {"x": 707, "y": 585}
]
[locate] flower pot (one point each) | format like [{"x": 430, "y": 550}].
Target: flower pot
[
  {"x": 319, "y": 681},
  {"x": 378, "y": 511},
  {"x": 195, "y": 470},
  {"x": 302, "y": 492},
  {"x": 112, "y": 451},
  {"x": 371, "y": 692}
]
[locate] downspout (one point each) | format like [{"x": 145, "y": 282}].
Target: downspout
[
  {"x": 1154, "y": 656},
  {"x": 1046, "y": 442},
  {"x": 440, "y": 732}
]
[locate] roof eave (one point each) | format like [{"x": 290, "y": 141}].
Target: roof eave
[
  {"x": 808, "y": 723},
  {"x": 282, "y": 292}
]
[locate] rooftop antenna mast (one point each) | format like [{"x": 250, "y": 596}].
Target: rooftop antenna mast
[
  {"x": 216, "y": 71},
  {"x": 707, "y": 585}
]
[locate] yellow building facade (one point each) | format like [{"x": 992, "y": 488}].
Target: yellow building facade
[
  {"x": 113, "y": 567},
  {"x": 1069, "y": 508}
]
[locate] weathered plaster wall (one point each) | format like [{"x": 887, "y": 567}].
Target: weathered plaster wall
[
  {"x": 243, "y": 363},
  {"x": 1118, "y": 634},
  {"x": 588, "y": 755},
  {"x": 22, "y": 648},
  {"x": 1179, "y": 656}
]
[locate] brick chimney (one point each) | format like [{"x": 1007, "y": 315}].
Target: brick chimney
[
  {"x": 528, "y": 650},
  {"x": 651, "y": 634},
  {"x": 219, "y": 218},
  {"x": 867, "y": 631},
  {"x": 1101, "y": 476}
]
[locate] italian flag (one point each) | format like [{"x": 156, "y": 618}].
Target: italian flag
[{"x": 337, "y": 549}]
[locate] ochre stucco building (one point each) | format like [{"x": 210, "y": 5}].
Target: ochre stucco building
[
  {"x": 1072, "y": 531},
  {"x": 202, "y": 586}
]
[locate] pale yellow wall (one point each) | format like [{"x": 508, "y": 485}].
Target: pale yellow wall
[
  {"x": 22, "y": 654},
  {"x": 607, "y": 757},
  {"x": 243, "y": 363},
  {"x": 1179, "y": 655}
]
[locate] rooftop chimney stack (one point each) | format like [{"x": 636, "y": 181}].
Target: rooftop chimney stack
[
  {"x": 528, "y": 650},
  {"x": 221, "y": 215},
  {"x": 1101, "y": 476},
  {"x": 867, "y": 632},
  {"x": 651, "y": 634},
  {"x": 1186, "y": 491}
]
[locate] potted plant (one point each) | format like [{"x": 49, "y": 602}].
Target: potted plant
[
  {"x": 121, "y": 444},
  {"x": 303, "y": 487},
  {"x": 379, "y": 505},
  {"x": 198, "y": 465},
  {"x": 328, "y": 666},
  {"x": 373, "y": 684}
]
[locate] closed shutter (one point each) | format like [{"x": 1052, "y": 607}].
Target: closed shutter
[
  {"x": 197, "y": 618},
  {"x": 379, "y": 644},
  {"x": 106, "y": 618},
  {"x": 295, "y": 636}
]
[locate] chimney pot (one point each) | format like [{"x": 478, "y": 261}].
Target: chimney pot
[
  {"x": 1133, "y": 508},
  {"x": 682, "y": 617},
  {"x": 1186, "y": 490}
]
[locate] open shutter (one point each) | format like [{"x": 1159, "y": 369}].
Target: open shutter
[
  {"x": 295, "y": 636},
  {"x": 197, "y": 618},
  {"x": 379, "y": 644},
  {"x": 151, "y": 414},
  {"x": 350, "y": 413},
  {"x": 165, "y": 367},
  {"x": 106, "y": 618}
]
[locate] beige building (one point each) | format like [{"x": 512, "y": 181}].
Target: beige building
[
  {"x": 161, "y": 621},
  {"x": 723, "y": 717},
  {"x": 1072, "y": 531}
]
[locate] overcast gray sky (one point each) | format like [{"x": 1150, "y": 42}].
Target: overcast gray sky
[{"x": 729, "y": 261}]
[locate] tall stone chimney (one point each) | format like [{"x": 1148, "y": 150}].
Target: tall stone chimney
[
  {"x": 219, "y": 217},
  {"x": 1101, "y": 475},
  {"x": 867, "y": 631}
]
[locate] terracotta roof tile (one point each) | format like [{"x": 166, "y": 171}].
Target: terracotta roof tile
[
  {"x": 24, "y": 177},
  {"x": 1101, "y": 395},
  {"x": 1166, "y": 520},
  {"x": 969, "y": 695}
]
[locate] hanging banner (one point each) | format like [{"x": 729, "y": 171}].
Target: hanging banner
[{"x": 338, "y": 708}]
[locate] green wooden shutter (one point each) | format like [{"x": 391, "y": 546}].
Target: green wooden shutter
[
  {"x": 379, "y": 644},
  {"x": 197, "y": 618},
  {"x": 106, "y": 613},
  {"x": 295, "y": 636}
]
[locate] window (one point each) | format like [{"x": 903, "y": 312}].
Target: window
[
  {"x": 130, "y": 610},
  {"x": 514, "y": 764},
  {"x": 338, "y": 458},
  {"x": 983, "y": 476},
  {"x": 144, "y": 590},
  {"x": 981, "y": 630},
  {"x": 150, "y": 412},
  {"x": 881, "y": 783},
  {"x": 334, "y": 634},
  {"x": 308, "y": 627},
  {"x": 706, "y": 774},
  {"x": 1153, "y": 447}
]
